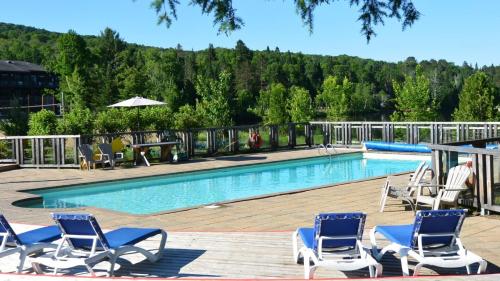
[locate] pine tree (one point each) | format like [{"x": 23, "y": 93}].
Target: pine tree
[{"x": 477, "y": 99}]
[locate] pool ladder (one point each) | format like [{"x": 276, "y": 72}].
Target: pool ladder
[{"x": 327, "y": 150}]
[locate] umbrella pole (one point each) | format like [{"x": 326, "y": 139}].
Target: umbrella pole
[{"x": 137, "y": 118}]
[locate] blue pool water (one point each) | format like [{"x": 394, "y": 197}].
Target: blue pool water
[{"x": 170, "y": 192}]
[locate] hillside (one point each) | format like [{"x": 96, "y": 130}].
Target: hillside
[{"x": 99, "y": 70}]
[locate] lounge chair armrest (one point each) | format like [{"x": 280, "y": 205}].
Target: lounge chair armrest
[{"x": 118, "y": 154}]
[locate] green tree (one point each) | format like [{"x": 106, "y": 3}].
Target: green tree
[
  {"x": 271, "y": 105},
  {"x": 132, "y": 83},
  {"x": 77, "y": 121},
  {"x": 43, "y": 122},
  {"x": 370, "y": 12},
  {"x": 214, "y": 100},
  {"x": 72, "y": 53},
  {"x": 109, "y": 46},
  {"x": 413, "y": 99},
  {"x": 335, "y": 98},
  {"x": 186, "y": 118},
  {"x": 477, "y": 99},
  {"x": 114, "y": 120},
  {"x": 157, "y": 118},
  {"x": 300, "y": 105}
]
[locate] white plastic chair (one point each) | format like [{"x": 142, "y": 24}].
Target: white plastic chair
[{"x": 446, "y": 194}]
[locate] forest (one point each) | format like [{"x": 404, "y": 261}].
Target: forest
[{"x": 223, "y": 87}]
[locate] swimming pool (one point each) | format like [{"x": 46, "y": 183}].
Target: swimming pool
[{"x": 177, "y": 191}]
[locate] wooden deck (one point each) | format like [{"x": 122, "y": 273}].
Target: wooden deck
[
  {"x": 245, "y": 255},
  {"x": 248, "y": 239}
]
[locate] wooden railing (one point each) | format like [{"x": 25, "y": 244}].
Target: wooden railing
[
  {"x": 40, "y": 151},
  {"x": 348, "y": 133},
  {"x": 485, "y": 192},
  {"x": 61, "y": 151},
  {"x": 202, "y": 142}
]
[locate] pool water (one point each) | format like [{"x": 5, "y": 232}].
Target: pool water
[{"x": 169, "y": 192}]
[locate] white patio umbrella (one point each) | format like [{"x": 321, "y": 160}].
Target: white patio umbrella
[{"x": 137, "y": 102}]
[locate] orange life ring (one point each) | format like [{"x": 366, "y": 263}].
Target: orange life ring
[{"x": 255, "y": 141}]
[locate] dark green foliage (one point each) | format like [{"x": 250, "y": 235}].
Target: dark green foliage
[
  {"x": 15, "y": 122},
  {"x": 477, "y": 99}
]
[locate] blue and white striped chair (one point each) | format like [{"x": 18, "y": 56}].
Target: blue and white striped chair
[
  {"x": 433, "y": 239},
  {"x": 27, "y": 242},
  {"x": 335, "y": 242},
  {"x": 84, "y": 243}
]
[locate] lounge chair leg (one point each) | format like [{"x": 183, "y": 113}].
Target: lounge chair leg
[
  {"x": 373, "y": 241},
  {"x": 370, "y": 269},
  {"x": 22, "y": 259},
  {"x": 90, "y": 270},
  {"x": 295, "y": 247},
  {"x": 467, "y": 267},
  {"x": 417, "y": 269},
  {"x": 378, "y": 270},
  {"x": 308, "y": 269},
  {"x": 482, "y": 267},
  {"x": 404, "y": 264},
  {"x": 36, "y": 268},
  {"x": 112, "y": 261}
]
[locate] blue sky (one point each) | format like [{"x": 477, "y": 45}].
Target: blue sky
[{"x": 455, "y": 30}]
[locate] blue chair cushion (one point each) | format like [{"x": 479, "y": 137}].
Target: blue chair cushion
[
  {"x": 307, "y": 236},
  {"x": 129, "y": 236},
  {"x": 40, "y": 235},
  {"x": 400, "y": 234}
]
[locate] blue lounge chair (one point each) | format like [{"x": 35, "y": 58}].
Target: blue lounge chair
[
  {"x": 335, "y": 241},
  {"x": 433, "y": 239},
  {"x": 87, "y": 245},
  {"x": 26, "y": 243}
]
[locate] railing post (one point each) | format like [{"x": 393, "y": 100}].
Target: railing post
[
  {"x": 292, "y": 135},
  {"x": 308, "y": 134},
  {"x": 210, "y": 141},
  {"x": 234, "y": 140},
  {"x": 489, "y": 181},
  {"x": 481, "y": 181},
  {"x": 326, "y": 133},
  {"x": 273, "y": 137}
]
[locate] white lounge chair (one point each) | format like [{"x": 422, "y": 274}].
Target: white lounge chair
[
  {"x": 446, "y": 194},
  {"x": 403, "y": 193},
  {"x": 26, "y": 243},
  {"x": 335, "y": 241},
  {"x": 84, "y": 243},
  {"x": 433, "y": 239}
]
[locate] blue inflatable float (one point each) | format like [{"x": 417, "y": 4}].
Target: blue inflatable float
[{"x": 395, "y": 146}]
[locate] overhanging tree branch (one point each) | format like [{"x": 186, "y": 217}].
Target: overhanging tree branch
[{"x": 372, "y": 12}]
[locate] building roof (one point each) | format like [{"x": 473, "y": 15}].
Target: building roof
[{"x": 19, "y": 66}]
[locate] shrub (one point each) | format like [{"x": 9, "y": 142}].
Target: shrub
[
  {"x": 77, "y": 121},
  {"x": 112, "y": 120},
  {"x": 156, "y": 118},
  {"x": 43, "y": 122},
  {"x": 186, "y": 118}
]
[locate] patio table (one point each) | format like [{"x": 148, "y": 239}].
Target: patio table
[{"x": 140, "y": 151}]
